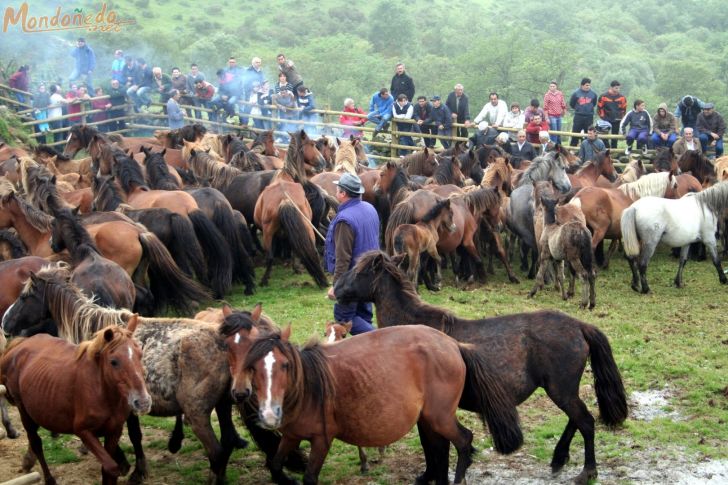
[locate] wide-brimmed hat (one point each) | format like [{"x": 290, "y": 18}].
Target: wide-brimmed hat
[{"x": 350, "y": 183}]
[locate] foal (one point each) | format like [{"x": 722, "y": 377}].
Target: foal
[
  {"x": 569, "y": 242},
  {"x": 413, "y": 239}
]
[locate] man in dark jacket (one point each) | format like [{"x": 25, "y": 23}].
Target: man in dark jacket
[
  {"x": 117, "y": 98},
  {"x": 142, "y": 85},
  {"x": 611, "y": 107},
  {"x": 687, "y": 111},
  {"x": 84, "y": 63},
  {"x": 457, "y": 103},
  {"x": 583, "y": 101},
  {"x": 402, "y": 83},
  {"x": 711, "y": 126},
  {"x": 440, "y": 118},
  {"x": 521, "y": 150},
  {"x": 354, "y": 231},
  {"x": 422, "y": 111}
]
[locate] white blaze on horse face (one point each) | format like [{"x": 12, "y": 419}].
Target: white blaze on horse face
[
  {"x": 131, "y": 353},
  {"x": 7, "y": 312},
  {"x": 332, "y": 337},
  {"x": 237, "y": 338},
  {"x": 269, "y": 360},
  {"x": 69, "y": 137}
]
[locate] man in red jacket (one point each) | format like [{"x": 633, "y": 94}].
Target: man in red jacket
[
  {"x": 611, "y": 107},
  {"x": 534, "y": 127}
]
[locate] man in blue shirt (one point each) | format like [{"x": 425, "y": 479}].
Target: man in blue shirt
[{"x": 380, "y": 110}]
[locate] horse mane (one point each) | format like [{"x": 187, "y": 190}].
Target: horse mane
[
  {"x": 500, "y": 167},
  {"x": 247, "y": 161},
  {"x": 652, "y": 184},
  {"x": 107, "y": 195},
  {"x": 85, "y": 134},
  {"x": 35, "y": 217},
  {"x": 261, "y": 138},
  {"x": 445, "y": 171},
  {"x": 663, "y": 157},
  {"x": 220, "y": 174},
  {"x": 435, "y": 210},
  {"x": 38, "y": 183},
  {"x": 481, "y": 200},
  {"x": 158, "y": 174},
  {"x": 715, "y": 197},
  {"x": 51, "y": 152},
  {"x": 293, "y": 165},
  {"x": 399, "y": 187},
  {"x": 242, "y": 320},
  {"x": 6, "y": 187},
  {"x": 129, "y": 173},
  {"x": 98, "y": 344},
  {"x": 697, "y": 164},
  {"x": 17, "y": 248},
  {"x": 72, "y": 227},
  {"x": 309, "y": 373}
]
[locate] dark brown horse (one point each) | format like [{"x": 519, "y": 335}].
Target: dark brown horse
[
  {"x": 319, "y": 393},
  {"x": 543, "y": 349},
  {"x": 13, "y": 275},
  {"x": 90, "y": 392},
  {"x": 698, "y": 165}
]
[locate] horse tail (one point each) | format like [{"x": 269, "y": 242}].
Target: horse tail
[
  {"x": 402, "y": 214},
  {"x": 630, "y": 239},
  {"x": 608, "y": 384},
  {"x": 495, "y": 406},
  {"x": 217, "y": 251},
  {"x": 296, "y": 230},
  {"x": 185, "y": 248},
  {"x": 168, "y": 283},
  {"x": 243, "y": 270}
]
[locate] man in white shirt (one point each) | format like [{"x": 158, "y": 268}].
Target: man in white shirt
[{"x": 494, "y": 112}]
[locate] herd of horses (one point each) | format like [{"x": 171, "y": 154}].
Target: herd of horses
[{"x": 99, "y": 248}]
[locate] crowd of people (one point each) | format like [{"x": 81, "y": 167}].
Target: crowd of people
[{"x": 245, "y": 93}]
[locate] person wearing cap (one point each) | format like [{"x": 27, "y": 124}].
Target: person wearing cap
[
  {"x": 84, "y": 63},
  {"x": 353, "y": 232},
  {"x": 534, "y": 127},
  {"x": 521, "y": 150},
  {"x": 515, "y": 119},
  {"x": 687, "y": 110},
  {"x": 555, "y": 106},
  {"x": 440, "y": 118},
  {"x": 590, "y": 146},
  {"x": 711, "y": 127},
  {"x": 611, "y": 108},
  {"x": 380, "y": 110}
]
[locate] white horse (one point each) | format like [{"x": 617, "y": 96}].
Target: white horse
[{"x": 677, "y": 223}]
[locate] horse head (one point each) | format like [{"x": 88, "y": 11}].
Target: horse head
[
  {"x": 557, "y": 169},
  {"x": 359, "y": 283},
  {"x": 239, "y": 330},
  {"x": 30, "y": 314},
  {"x": 606, "y": 165},
  {"x": 336, "y": 331}
]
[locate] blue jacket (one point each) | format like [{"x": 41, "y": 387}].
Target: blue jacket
[
  {"x": 363, "y": 220},
  {"x": 381, "y": 106},
  {"x": 85, "y": 59},
  {"x": 306, "y": 102},
  {"x": 440, "y": 116},
  {"x": 176, "y": 119},
  {"x": 583, "y": 102}
]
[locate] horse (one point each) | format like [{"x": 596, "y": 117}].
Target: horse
[
  {"x": 697, "y": 164},
  {"x": 412, "y": 239},
  {"x": 422, "y": 162},
  {"x": 319, "y": 393},
  {"x": 11, "y": 247},
  {"x": 589, "y": 173},
  {"x": 528, "y": 350},
  {"x": 174, "y": 138},
  {"x": 603, "y": 207},
  {"x": 631, "y": 173},
  {"x": 677, "y": 223},
  {"x": 447, "y": 172},
  {"x": 664, "y": 160},
  {"x": 350, "y": 156},
  {"x": 13, "y": 275},
  {"x": 551, "y": 166},
  {"x": 498, "y": 174},
  {"x": 80, "y": 137},
  {"x": 88, "y": 390},
  {"x": 216, "y": 250},
  {"x": 566, "y": 241}
]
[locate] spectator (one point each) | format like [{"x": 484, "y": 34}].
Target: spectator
[
  {"x": 224, "y": 97},
  {"x": 504, "y": 141},
  {"x": 287, "y": 67},
  {"x": 403, "y": 110},
  {"x": 484, "y": 136},
  {"x": 686, "y": 142},
  {"x": 555, "y": 107},
  {"x": 204, "y": 95},
  {"x": 521, "y": 150},
  {"x": 535, "y": 126},
  {"x": 84, "y": 62},
  {"x": 640, "y": 125},
  {"x": 162, "y": 84},
  {"x": 174, "y": 112},
  {"x": 117, "y": 99},
  {"x": 117, "y": 66},
  {"x": 457, "y": 103},
  {"x": 664, "y": 129},
  {"x": 285, "y": 102},
  {"x": 104, "y": 105},
  {"x": 129, "y": 73},
  {"x": 440, "y": 117},
  {"x": 20, "y": 80},
  {"x": 421, "y": 112},
  {"x": 76, "y": 96},
  {"x": 590, "y": 146},
  {"x": 402, "y": 83},
  {"x": 349, "y": 120},
  {"x": 55, "y": 110},
  {"x": 514, "y": 119},
  {"x": 494, "y": 111},
  {"x": 611, "y": 108},
  {"x": 250, "y": 76},
  {"x": 265, "y": 102},
  {"x": 380, "y": 110},
  {"x": 687, "y": 111},
  {"x": 534, "y": 109},
  {"x": 544, "y": 142},
  {"x": 142, "y": 84},
  {"x": 193, "y": 76},
  {"x": 283, "y": 84},
  {"x": 582, "y": 101},
  {"x": 711, "y": 128},
  {"x": 41, "y": 100},
  {"x": 179, "y": 82},
  {"x": 306, "y": 103}
]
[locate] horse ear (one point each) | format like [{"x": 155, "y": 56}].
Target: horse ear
[
  {"x": 447, "y": 203},
  {"x": 192, "y": 152},
  {"x": 303, "y": 134},
  {"x": 286, "y": 332},
  {"x": 164, "y": 150},
  {"x": 257, "y": 312},
  {"x": 348, "y": 326},
  {"x": 76, "y": 210},
  {"x": 226, "y": 310},
  {"x": 109, "y": 334},
  {"x": 608, "y": 153},
  {"x": 131, "y": 325}
]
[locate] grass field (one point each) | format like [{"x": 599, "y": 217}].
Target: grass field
[{"x": 674, "y": 339}]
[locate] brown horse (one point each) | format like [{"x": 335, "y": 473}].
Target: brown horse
[
  {"x": 633, "y": 171},
  {"x": 90, "y": 392},
  {"x": 412, "y": 239},
  {"x": 350, "y": 156},
  {"x": 498, "y": 174},
  {"x": 528, "y": 350},
  {"x": 11, "y": 247},
  {"x": 587, "y": 175},
  {"x": 422, "y": 162},
  {"x": 13, "y": 275},
  {"x": 319, "y": 393},
  {"x": 698, "y": 165},
  {"x": 665, "y": 160}
]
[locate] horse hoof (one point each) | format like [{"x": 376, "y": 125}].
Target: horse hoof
[
  {"x": 12, "y": 433},
  {"x": 28, "y": 462},
  {"x": 364, "y": 469},
  {"x": 645, "y": 290},
  {"x": 249, "y": 291},
  {"x": 137, "y": 477},
  {"x": 514, "y": 279},
  {"x": 174, "y": 445},
  {"x": 636, "y": 288},
  {"x": 584, "y": 477},
  {"x": 240, "y": 443},
  {"x": 124, "y": 469}
]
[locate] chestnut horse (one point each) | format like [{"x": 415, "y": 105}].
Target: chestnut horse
[
  {"x": 319, "y": 393},
  {"x": 88, "y": 390},
  {"x": 587, "y": 175},
  {"x": 528, "y": 350}
]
